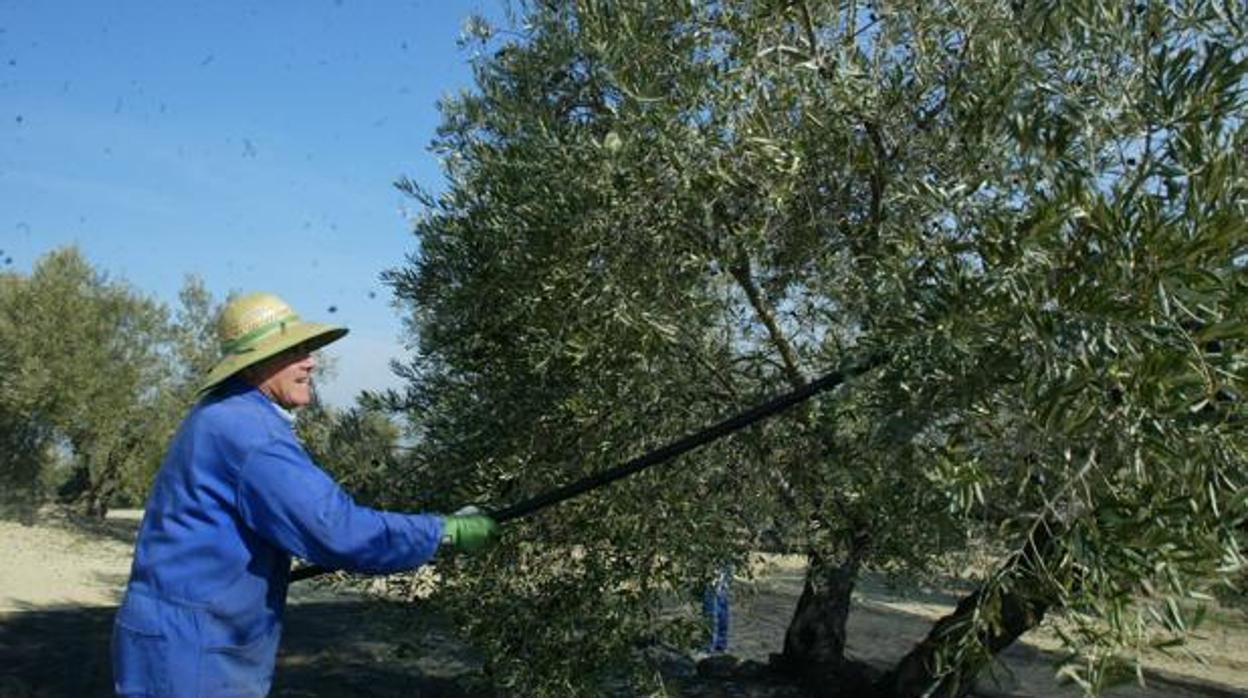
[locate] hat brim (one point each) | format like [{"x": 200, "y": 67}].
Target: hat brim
[{"x": 315, "y": 335}]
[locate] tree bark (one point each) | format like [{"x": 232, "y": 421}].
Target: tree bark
[
  {"x": 1022, "y": 604},
  {"x": 98, "y": 495},
  {"x": 814, "y": 643},
  {"x": 744, "y": 275}
]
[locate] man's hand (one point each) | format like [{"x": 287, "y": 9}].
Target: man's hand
[{"x": 469, "y": 532}]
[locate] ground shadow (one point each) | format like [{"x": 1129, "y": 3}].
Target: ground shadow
[
  {"x": 344, "y": 645},
  {"x": 340, "y": 648},
  {"x": 123, "y": 530}
]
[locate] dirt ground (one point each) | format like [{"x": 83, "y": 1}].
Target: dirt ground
[{"x": 60, "y": 582}]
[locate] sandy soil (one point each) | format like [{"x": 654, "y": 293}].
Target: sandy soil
[
  {"x": 59, "y": 563},
  {"x": 60, "y": 581}
]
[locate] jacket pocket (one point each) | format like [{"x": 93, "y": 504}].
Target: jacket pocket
[
  {"x": 239, "y": 670},
  {"x": 140, "y": 650}
]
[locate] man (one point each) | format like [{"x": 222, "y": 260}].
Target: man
[
  {"x": 716, "y": 608},
  {"x": 235, "y": 497}
]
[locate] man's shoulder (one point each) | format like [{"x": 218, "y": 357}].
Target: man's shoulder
[{"x": 241, "y": 416}]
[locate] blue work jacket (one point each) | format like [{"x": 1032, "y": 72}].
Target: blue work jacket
[{"x": 236, "y": 496}]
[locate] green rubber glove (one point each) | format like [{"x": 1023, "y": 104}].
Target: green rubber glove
[{"x": 469, "y": 533}]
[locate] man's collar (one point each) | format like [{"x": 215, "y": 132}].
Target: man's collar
[{"x": 285, "y": 413}]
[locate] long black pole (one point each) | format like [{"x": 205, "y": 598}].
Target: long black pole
[{"x": 665, "y": 453}]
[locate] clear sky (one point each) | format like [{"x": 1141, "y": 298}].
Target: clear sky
[{"x": 252, "y": 143}]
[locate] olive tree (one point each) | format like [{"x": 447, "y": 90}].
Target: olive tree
[
  {"x": 24, "y": 453},
  {"x": 658, "y": 213},
  {"x": 97, "y": 374},
  {"x": 359, "y": 445}
]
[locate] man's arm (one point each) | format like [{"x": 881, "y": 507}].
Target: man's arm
[{"x": 285, "y": 498}]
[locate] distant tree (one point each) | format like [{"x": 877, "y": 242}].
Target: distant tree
[
  {"x": 660, "y": 213},
  {"x": 359, "y": 445},
  {"x": 195, "y": 341},
  {"x": 189, "y": 350},
  {"x": 97, "y": 368},
  {"x": 24, "y": 441}
]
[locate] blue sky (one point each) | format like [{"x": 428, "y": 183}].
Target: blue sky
[{"x": 253, "y": 144}]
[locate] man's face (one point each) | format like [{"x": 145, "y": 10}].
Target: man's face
[{"x": 286, "y": 378}]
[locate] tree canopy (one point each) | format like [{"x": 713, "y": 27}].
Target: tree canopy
[
  {"x": 658, "y": 213},
  {"x": 97, "y": 375}
]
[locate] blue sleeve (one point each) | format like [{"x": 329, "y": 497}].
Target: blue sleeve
[{"x": 285, "y": 498}]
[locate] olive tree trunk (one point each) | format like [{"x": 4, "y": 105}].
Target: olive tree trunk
[
  {"x": 1022, "y": 604},
  {"x": 814, "y": 643}
]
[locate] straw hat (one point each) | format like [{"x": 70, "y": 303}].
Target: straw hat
[{"x": 257, "y": 326}]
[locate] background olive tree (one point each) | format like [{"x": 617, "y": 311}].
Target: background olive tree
[
  {"x": 96, "y": 377},
  {"x": 660, "y": 212},
  {"x": 360, "y": 446}
]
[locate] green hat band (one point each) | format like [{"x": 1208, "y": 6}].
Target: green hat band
[{"x": 242, "y": 345}]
